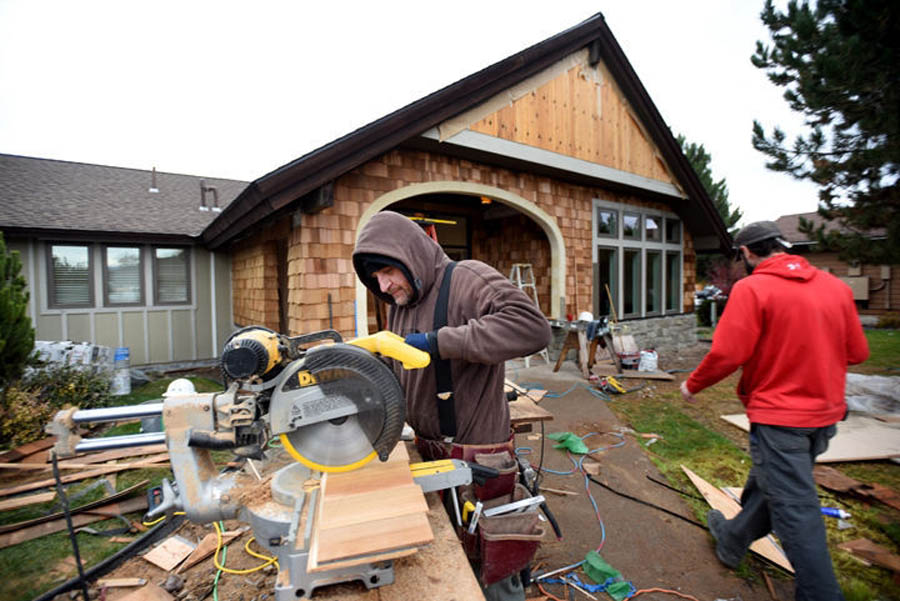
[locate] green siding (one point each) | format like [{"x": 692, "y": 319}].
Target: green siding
[
  {"x": 183, "y": 339},
  {"x": 158, "y": 335},
  {"x": 133, "y": 329},
  {"x": 204, "y": 311},
  {"x": 224, "y": 318},
  {"x": 49, "y": 327},
  {"x": 79, "y": 327},
  {"x": 106, "y": 329}
]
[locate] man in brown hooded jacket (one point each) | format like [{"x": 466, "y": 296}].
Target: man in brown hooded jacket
[{"x": 489, "y": 320}]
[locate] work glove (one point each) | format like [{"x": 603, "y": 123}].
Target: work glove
[{"x": 424, "y": 341}]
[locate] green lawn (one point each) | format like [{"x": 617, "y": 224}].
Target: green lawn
[
  {"x": 884, "y": 353},
  {"x": 23, "y": 580}
]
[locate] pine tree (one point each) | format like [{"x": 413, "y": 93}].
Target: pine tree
[
  {"x": 718, "y": 191},
  {"x": 16, "y": 333},
  {"x": 839, "y": 61}
]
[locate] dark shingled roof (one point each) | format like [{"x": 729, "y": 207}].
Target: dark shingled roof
[
  {"x": 790, "y": 227},
  {"x": 44, "y": 195}
]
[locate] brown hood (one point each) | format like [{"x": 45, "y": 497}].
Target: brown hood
[{"x": 392, "y": 235}]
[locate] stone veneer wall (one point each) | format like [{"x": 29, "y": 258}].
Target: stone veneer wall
[
  {"x": 667, "y": 335},
  {"x": 320, "y": 249}
]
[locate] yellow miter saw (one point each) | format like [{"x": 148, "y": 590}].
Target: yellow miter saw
[
  {"x": 334, "y": 406},
  {"x": 335, "y": 409}
]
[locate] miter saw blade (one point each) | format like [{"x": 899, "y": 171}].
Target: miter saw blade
[{"x": 348, "y": 377}]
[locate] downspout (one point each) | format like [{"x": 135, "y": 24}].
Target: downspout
[{"x": 212, "y": 302}]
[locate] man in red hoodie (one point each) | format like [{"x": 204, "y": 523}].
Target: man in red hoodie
[{"x": 794, "y": 330}]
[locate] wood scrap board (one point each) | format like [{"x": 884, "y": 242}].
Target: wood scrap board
[
  {"x": 717, "y": 499},
  {"x": 388, "y": 517},
  {"x": 858, "y": 438}
]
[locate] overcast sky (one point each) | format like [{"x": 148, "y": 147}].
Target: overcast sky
[{"x": 237, "y": 89}]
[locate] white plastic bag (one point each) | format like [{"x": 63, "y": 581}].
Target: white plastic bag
[{"x": 649, "y": 360}]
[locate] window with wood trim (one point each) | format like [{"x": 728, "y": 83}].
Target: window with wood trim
[
  {"x": 171, "y": 276},
  {"x": 640, "y": 262},
  {"x": 70, "y": 281},
  {"x": 123, "y": 276}
]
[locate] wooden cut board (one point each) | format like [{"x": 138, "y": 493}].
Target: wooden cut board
[
  {"x": 858, "y": 438},
  {"x": 765, "y": 547},
  {"x": 207, "y": 546},
  {"x": 384, "y": 515},
  {"x": 170, "y": 552},
  {"x": 524, "y": 410}
]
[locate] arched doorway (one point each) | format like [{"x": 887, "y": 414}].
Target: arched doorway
[{"x": 557, "y": 264}]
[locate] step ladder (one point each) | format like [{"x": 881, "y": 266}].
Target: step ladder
[{"x": 522, "y": 276}]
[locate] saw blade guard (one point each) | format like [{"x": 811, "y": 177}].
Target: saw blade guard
[{"x": 338, "y": 408}]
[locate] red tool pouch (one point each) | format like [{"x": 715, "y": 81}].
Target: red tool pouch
[{"x": 504, "y": 544}]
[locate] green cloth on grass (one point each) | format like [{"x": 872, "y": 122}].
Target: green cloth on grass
[{"x": 569, "y": 441}]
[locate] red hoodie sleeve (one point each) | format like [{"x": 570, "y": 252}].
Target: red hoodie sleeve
[{"x": 735, "y": 338}]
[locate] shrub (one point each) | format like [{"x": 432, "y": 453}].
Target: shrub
[
  {"x": 37, "y": 397},
  {"x": 16, "y": 333},
  {"x": 889, "y": 321}
]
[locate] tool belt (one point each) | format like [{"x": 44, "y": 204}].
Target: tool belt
[
  {"x": 501, "y": 545},
  {"x": 499, "y": 456},
  {"x": 505, "y": 544}
]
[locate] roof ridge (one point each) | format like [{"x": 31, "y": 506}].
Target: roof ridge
[{"x": 134, "y": 169}]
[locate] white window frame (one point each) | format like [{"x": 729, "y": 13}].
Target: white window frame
[{"x": 620, "y": 244}]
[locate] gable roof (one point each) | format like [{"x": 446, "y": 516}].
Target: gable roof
[
  {"x": 790, "y": 228},
  {"x": 278, "y": 192},
  {"x": 61, "y": 198}
]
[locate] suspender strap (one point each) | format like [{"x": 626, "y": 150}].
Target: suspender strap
[{"x": 446, "y": 408}]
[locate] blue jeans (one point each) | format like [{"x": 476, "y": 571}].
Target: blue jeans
[{"x": 780, "y": 496}]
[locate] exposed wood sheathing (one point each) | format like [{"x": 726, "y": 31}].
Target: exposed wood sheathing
[{"x": 580, "y": 113}]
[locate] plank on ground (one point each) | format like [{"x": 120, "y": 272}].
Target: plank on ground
[
  {"x": 873, "y": 553},
  {"x": 152, "y": 461},
  {"x": 858, "y": 438},
  {"x": 170, "y": 552},
  {"x": 25, "y": 501},
  {"x": 18, "y": 453},
  {"x": 717, "y": 499},
  {"x": 830, "y": 478},
  {"x": 128, "y": 506}
]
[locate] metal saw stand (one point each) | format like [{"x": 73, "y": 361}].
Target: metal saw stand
[{"x": 277, "y": 527}]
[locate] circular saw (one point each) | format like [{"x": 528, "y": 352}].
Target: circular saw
[{"x": 340, "y": 406}]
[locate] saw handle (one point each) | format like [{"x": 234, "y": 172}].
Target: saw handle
[{"x": 391, "y": 345}]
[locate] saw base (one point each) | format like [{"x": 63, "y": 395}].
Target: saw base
[{"x": 283, "y": 526}]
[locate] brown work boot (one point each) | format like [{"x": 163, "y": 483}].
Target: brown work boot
[{"x": 716, "y": 522}]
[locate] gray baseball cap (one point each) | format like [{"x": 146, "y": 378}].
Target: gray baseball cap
[{"x": 757, "y": 232}]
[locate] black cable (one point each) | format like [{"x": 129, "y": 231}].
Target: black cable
[
  {"x": 61, "y": 493},
  {"x": 678, "y": 490},
  {"x": 648, "y": 504},
  {"x": 159, "y": 531}
]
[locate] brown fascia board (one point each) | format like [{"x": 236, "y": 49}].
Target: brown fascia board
[
  {"x": 63, "y": 235},
  {"x": 288, "y": 183},
  {"x": 637, "y": 95}
]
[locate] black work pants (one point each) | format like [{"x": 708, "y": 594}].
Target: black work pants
[{"x": 780, "y": 496}]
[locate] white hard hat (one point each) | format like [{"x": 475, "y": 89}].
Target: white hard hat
[{"x": 181, "y": 386}]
